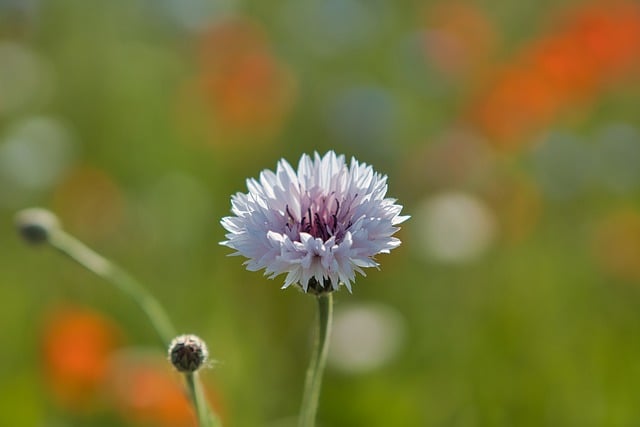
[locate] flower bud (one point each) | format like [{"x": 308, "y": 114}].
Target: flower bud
[
  {"x": 36, "y": 224},
  {"x": 188, "y": 353}
]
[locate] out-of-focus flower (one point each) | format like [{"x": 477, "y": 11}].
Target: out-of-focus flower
[
  {"x": 35, "y": 155},
  {"x": 598, "y": 43},
  {"x": 145, "y": 389},
  {"x": 365, "y": 337},
  {"x": 77, "y": 343},
  {"x": 616, "y": 245},
  {"x": 517, "y": 104},
  {"x": 455, "y": 227},
  {"x": 246, "y": 90},
  {"x": 320, "y": 224}
]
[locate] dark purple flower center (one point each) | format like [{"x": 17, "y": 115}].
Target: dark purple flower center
[{"x": 325, "y": 217}]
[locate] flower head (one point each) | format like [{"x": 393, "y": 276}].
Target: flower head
[
  {"x": 320, "y": 224},
  {"x": 188, "y": 353},
  {"x": 76, "y": 346},
  {"x": 35, "y": 225}
]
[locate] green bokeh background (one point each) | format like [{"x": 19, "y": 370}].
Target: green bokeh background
[{"x": 532, "y": 332}]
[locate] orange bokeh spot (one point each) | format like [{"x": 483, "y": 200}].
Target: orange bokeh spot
[
  {"x": 616, "y": 245},
  {"x": 516, "y": 106},
  {"x": 596, "y": 45},
  {"x": 253, "y": 91},
  {"x": 147, "y": 390},
  {"x": 89, "y": 203},
  {"x": 609, "y": 35},
  {"x": 245, "y": 89},
  {"x": 77, "y": 343},
  {"x": 561, "y": 69}
]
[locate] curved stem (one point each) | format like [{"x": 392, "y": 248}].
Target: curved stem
[
  {"x": 104, "y": 268},
  {"x": 158, "y": 317},
  {"x": 313, "y": 382}
]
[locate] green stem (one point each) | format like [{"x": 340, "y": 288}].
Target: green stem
[
  {"x": 104, "y": 268},
  {"x": 313, "y": 382},
  {"x": 158, "y": 317},
  {"x": 206, "y": 418}
]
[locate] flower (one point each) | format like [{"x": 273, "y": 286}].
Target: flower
[
  {"x": 596, "y": 46},
  {"x": 76, "y": 345},
  {"x": 188, "y": 353},
  {"x": 145, "y": 391},
  {"x": 320, "y": 225}
]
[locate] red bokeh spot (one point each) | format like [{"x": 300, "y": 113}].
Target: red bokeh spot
[
  {"x": 77, "y": 343},
  {"x": 595, "y": 45}
]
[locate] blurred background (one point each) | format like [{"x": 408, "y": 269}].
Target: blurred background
[{"x": 509, "y": 131}]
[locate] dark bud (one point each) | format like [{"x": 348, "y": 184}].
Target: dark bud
[
  {"x": 36, "y": 224},
  {"x": 188, "y": 353}
]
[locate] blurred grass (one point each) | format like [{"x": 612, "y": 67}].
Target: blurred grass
[{"x": 535, "y": 330}]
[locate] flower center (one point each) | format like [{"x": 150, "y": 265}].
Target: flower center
[{"x": 323, "y": 218}]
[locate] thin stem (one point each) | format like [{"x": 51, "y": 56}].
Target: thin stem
[
  {"x": 104, "y": 268},
  {"x": 313, "y": 382},
  {"x": 206, "y": 418},
  {"x": 158, "y": 317}
]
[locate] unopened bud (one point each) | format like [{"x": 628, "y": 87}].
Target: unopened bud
[
  {"x": 36, "y": 224},
  {"x": 188, "y": 353}
]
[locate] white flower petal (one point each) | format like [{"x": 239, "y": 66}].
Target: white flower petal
[{"x": 320, "y": 224}]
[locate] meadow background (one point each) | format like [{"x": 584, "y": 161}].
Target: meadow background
[{"x": 509, "y": 131}]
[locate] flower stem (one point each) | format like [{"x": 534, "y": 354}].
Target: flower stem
[
  {"x": 104, "y": 268},
  {"x": 99, "y": 265},
  {"x": 313, "y": 380},
  {"x": 206, "y": 418}
]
